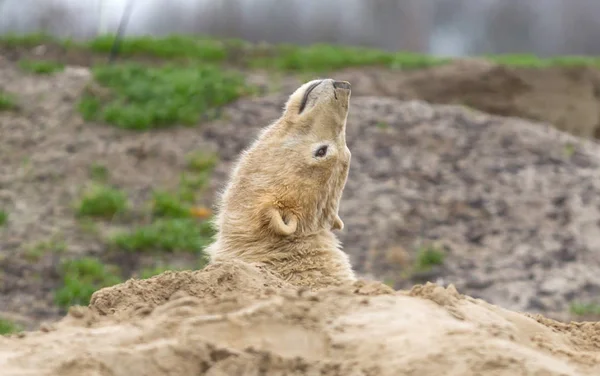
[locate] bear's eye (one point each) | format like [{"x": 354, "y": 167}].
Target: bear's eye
[{"x": 321, "y": 151}]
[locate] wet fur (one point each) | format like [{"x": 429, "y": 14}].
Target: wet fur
[{"x": 281, "y": 203}]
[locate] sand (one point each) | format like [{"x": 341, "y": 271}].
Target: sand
[{"x": 236, "y": 319}]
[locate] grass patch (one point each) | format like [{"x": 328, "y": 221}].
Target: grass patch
[
  {"x": 190, "y": 184},
  {"x": 428, "y": 257},
  {"x": 569, "y": 150},
  {"x": 317, "y": 57},
  {"x": 88, "y": 226},
  {"x": 102, "y": 201},
  {"x": 166, "y": 235},
  {"x": 28, "y": 40},
  {"x": 168, "y": 47},
  {"x": 41, "y": 66},
  {"x": 8, "y": 101},
  {"x": 81, "y": 278},
  {"x": 321, "y": 57},
  {"x": 533, "y": 61},
  {"x": 170, "y": 205},
  {"x": 200, "y": 166},
  {"x": 143, "y": 98},
  {"x": 8, "y": 327},
  {"x": 99, "y": 172},
  {"x": 3, "y": 217},
  {"x": 581, "y": 309},
  {"x": 165, "y": 204},
  {"x": 201, "y": 161}
]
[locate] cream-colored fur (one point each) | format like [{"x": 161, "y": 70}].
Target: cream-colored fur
[{"x": 281, "y": 203}]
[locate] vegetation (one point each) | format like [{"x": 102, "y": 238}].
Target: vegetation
[
  {"x": 166, "y": 235},
  {"x": 3, "y": 217},
  {"x": 8, "y": 327},
  {"x": 81, "y": 278},
  {"x": 7, "y": 101},
  {"x": 174, "y": 227},
  {"x": 200, "y": 166},
  {"x": 142, "y": 98},
  {"x": 28, "y": 40},
  {"x": 313, "y": 58},
  {"x": 98, "y": 172},
  {"x": 170, "y": 47},
  {"x": 427, "y": 257},
  {"x": 582, "y": 309},
  {"x": 102, "y": 201},
  {"x": 41, "y": 66},
  {"x": 201, "y": 162},
  {"x": 382, "y": 125},
  {"x": 166, "y": 204}
]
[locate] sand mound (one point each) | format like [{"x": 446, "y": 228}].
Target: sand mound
[{"x": 238, "y": 319}]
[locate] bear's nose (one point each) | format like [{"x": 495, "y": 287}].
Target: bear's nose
[{"x": 341, "y": 85}]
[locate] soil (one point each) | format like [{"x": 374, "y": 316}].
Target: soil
[
  {"x": 237, "y": 319},
  {"x": 512, "y": 203}
]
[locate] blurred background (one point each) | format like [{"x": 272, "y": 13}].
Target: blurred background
[{"x": 439, "y": 27}]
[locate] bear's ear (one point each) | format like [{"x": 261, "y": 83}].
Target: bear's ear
[{"x": 281, "y": 226}]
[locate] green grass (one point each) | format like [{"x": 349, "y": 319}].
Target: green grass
[
  {"x": 7, "y": 101},
  {"x": 168, "y": 47},
  {"x": 581, "y": 309},
  {"x": 101, "y": 201},
  {"x": 41, "y": 66},
  {"x": 81, "y": 278},
  {"x": 144, "y": 98},
  {"x": 99, "y": 172},
  {"x": 3, "y": 217},
  {"x": 427, "y": 257},
  {"x": 28, "y": 40},
  {"x": 174, "y": 228},
  {"x": 324, "y": 57},
  {"x": 190, "y": 184},
  {"x": 200, "y": 161},
  {"x": 318, "y": 57},
  {"x": 8, "y": 327},
  {"x": 200, "y": 166},
  {"x": 89, "y": 226},
  {"x": 178, "y": 205},
  {"x": 166, "y": 235},
  {"x": 165, "y": 204}
]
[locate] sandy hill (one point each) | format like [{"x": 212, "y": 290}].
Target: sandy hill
[{"x": 234, "y": 319}]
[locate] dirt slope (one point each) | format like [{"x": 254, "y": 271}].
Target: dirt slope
[
  {"x": 512, "y": 204},
  {"x": 236, "y": 319}
]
